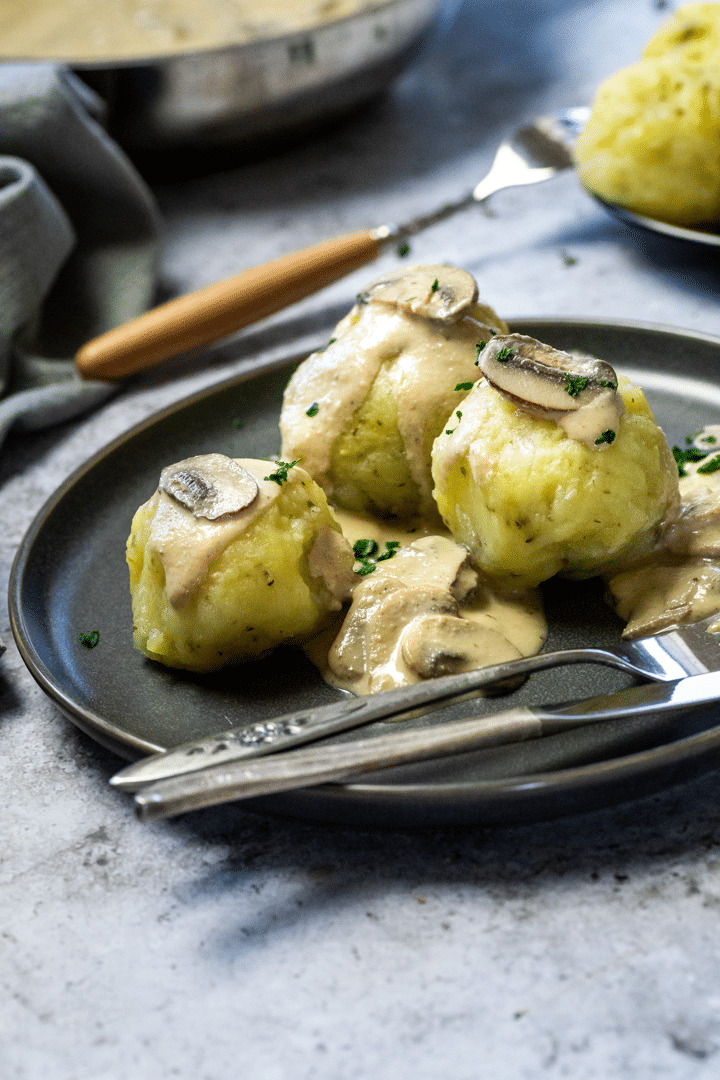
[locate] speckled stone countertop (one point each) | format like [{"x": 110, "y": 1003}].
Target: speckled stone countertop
[{"x": 229, "y": 944}]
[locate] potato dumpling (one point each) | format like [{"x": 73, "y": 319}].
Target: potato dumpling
[
  {"x": 691, "y": 35},
  {"x": 652, "y": 141},
  {"x": 362, "y": 413},
  {"x": 526, "y": 490},
  {"x": 227, "y": 562}
]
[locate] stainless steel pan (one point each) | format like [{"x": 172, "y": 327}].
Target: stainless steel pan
[{"x": 253, "y": 92}]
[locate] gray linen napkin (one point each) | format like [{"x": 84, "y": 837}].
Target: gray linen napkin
[{"x": 79, "y": 242}]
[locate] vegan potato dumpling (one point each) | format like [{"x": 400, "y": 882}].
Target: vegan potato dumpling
[
  {"x": 651, "y": 143},
  {"x": 691, "y": 35},
  {"x": 226, "y": 564},
  {"x": 528, "y": 501},
  {"x": 362, "y": 413}
]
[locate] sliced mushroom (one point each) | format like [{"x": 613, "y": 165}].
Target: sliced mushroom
[
  {"x": 331, "y": 560},
  {"x": 210, "y": 486},
  {"x": 436, "y": 292},
  {"x": 444, "y": 644},
  {"x": 555, "y": 385},
  {"x": 379, "y": 613}
]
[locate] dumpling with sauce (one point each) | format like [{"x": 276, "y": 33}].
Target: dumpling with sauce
[
  {"x": 680, "y": 581},
  {"x": 362, "y": 413},
  {"x": 556, "y": 466},
  {"x": 231, "y": 557}
]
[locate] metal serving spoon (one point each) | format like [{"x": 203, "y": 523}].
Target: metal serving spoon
[{"x": 534, "y": 153}]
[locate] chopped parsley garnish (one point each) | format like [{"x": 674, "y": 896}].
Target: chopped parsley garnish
[
  {"x": 367, "y": 553},
  {"x": 478, "y": 349},
  {"x": 449, "y": 431},
  {"x": 330, "y": 342},
  {"x": 403, "y": 250},
  {"x": 366, "y": 568},
  {"x": 710, "y": 466},
  {"x": 458, "y": 414},
  {"x": 435, "y": 286},
  {"x": 90, "y": 640},
  {"x": 464, "y": 386},
  {"x": 503, "y": 355},
  {"x": 568, "y": 259},
  {"x": 283, "y": 468},
  {"x": 606, "y": 437},
  {"x": 575, "y": 384},
  {"x": 608, "y": 384},
  {"x": 313, "y": 410},
  {"x": 363, "y": 549},
  {"x": 682, "y": 457}
]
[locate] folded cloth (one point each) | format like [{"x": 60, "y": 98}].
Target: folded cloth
[{"x": 79, "y": 242}]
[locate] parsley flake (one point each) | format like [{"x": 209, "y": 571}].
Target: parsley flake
[
  {"x": 435, "y": 286},
  {"x": 330, "y": 342},
  {"x": 403, "y": 250},
  {"x": 367, "y": 553},
  {"x": 606, "y": 437},
  {"x": 363, "y": 549},
  {"x": 313, "y": 410},
  {"x": 682, "y": 457},
  {"x": 575, "y": 384},
  {"x": 89, "y": 640},
  {"x": 609, "y": 385},
  {"x": 464, "y": 386},
  {"x": 503, "y": 355},
  {"x": 710, "y": 466},
  {"x": 281, "y": 474}
]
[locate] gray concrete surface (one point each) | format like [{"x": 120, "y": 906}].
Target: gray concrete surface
[{"x": 229, "y": 944}]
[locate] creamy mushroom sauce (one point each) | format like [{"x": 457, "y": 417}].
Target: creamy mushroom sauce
[
  {"x": 424, "y": 612},
  {"x": 681, "y": 582},
  {"x": 107, "y": 29},
  {"x": 187, "y": 541},
  {"x": 579, "y": 393},
  {"x": 424, "y": 319}
]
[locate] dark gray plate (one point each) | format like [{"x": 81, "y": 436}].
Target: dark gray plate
[{"x": 70, "y": 577}]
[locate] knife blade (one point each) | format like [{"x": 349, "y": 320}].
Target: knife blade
[{"x": 342, "y": 760}]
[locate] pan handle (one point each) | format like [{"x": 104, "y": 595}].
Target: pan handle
[{"x": 201, "y": 317}]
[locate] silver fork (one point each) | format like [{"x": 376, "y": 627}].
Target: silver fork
[
  {"x": 692, "y": 649},
  {"x": 534, "y": 153}
]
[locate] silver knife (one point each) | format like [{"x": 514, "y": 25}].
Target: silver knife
[
  {"x": 687, "y": 650},
  {"x": 342, "y": 760}
]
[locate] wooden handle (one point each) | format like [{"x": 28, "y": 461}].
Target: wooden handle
[{"x": 217, "y": 310}]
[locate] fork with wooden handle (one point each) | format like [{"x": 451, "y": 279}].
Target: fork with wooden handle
[{"x": 535, "y": 153}]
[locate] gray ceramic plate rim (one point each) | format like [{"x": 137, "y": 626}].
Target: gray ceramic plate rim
[
  {"x": 703, "y": 237},
  {"x": 676, "y": 760}
]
